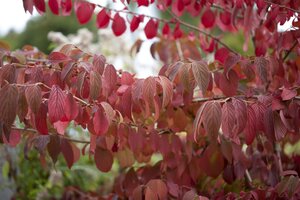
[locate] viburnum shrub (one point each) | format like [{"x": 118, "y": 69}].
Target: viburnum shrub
[{"x": 221, "y": 127}]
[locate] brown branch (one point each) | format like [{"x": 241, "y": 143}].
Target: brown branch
[
  {"x": 282, "y": 6},
  {"x": 290, "y": 50}
]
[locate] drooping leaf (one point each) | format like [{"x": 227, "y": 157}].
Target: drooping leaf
[
  {"x": 240, "y": 109},
  {"x": 261, "y": 64},
  {"x": 208, "y": 18},
  {"x": 57, "y": 57},
  {"x": 8, "y": 104},
  {"x": 54, "y": 6},
  {"x": 40, "y": 119},
  {"x": 95, "y": 85},
  {"x": 109, "y": 79},
  {"x": 103, "y": 159},
  {"x": 158, "y": 187},
  {"x": 70, "y": 152},
  {"x": 212, "y": 115},
  {"x": 201, "y": 74},
  {"x": 84, "y": 11},
  {"x": 34, "y": 97},
  {"x": 288, "y": 94},
  {"x": 103, "y": 19},
  {"x": 56, "y": 104},
  {"x": 167, "y": 87},
  {"x": 151, "y": 29},
  {"x": 135, "y": 22},
  {"x": 70, "y": 107},
  {"x": 250, "y": 129},
  {"x": 228, "y": 119},
  {"x": 100, "y": 122},
  {"x": 118, "y": 25}
]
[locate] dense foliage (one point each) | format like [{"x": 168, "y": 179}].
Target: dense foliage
[{"x": 220, "y": 126}]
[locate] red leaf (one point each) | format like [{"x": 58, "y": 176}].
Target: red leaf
[
  {"x": 66, "y": 7},
  {"x": 177, "y": 33},
  {"x": 151, "y": 29},
  {"x": 109, "y": 79},
  {"x": 135, "y": 22},
  {"x": 95, "y": 85},
  {"x": 166, "y": 29},
  {"x": 250, "y": 129},
  {"x": 208, "y": 18},
  {"x": 14, "y": 138},
  {"x": 143, "y": 2},
  {"x": 279, "y": 128},
  {"x": 167, "y": 87},
  {"x": 84, "y": 11},
  {"x": 99, "y": 63},
  {"x": 56, "y": 104},
  {"x": 221, "y": 54},
  {"x": 100, "y": 121},
  {"x": 150, "y": 194},
  {"x": 8, "y": 104},
  {"x": 212, "y": 115},
  {"x": 70, "y": 107},
  {"x": 54, "y": 7},
  {"x": 225, "y": 18},
  {"x": 118, "y": 25},
  {"x": 230, "y": 62},
  {"x": 201, "y": 74},
  {"x": 40, "y": 5},
  {"x": 159, "y": 187},
  {"x": 70, "y": 152},
  {"x": 57, "y": 57},
  {"x": 103, "y": 19},
  {"x": 228, "y": 119},
  {"x": 103, "y": 159},
  {"x": 288, "y": 94},
  {"x": 262, "y": 68},
  {"x": 28, "y": 5},
  {"x": 228, "y": 86},
  {"x": 33, "y": 96},
  {"x": 40, "y": 120},
  {"x": 240, "y": 109},
  {"x": 149, "y": 90}
]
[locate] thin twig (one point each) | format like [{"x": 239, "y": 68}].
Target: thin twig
[{"x": 290, "y": 50}]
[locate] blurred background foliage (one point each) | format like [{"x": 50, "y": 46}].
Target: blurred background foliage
[{"x": 37, "y": 29}]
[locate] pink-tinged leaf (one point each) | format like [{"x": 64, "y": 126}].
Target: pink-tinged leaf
[
  {"x": 95, "y": 85},
  {"x": 40, "y": 120},
  {"x": 137, "y": 193},
  {"x": 40, "y": 5},
  {"x": 212, "y": 115},
  {"x": 177, "y": 33},
  {"x": 201, "y": 74},
  {"x": 151, "y": 29},
  {"x": 260, "y": 110},
  {"x": 84, "y": 11},
  {"x": 262, "y": 68},
  {"x": 167, "y": 87},
  {"x": 240, "y": 109},
  {"x": 33, "y": 96},
  {"x": 103, "y": 19},
  {"x": 159, "y": 187},
  {"x": 66, "y": 7},
  {"x": 66, "y": 71},
  {"x": 150, "y": 194},
  {"x": 288, "y": 94},
  {"x": 225, "y": 18},
  {"x": 99, "y": 63},
  {"x": 190, "y": 195},
  {"x": 125, "y": 158},
  {"x": 54, "y": 147},
  {"x": 56, "y": 104},
  {"x": 14, "y": 138},
  {"x": 143, "y": 2},
  {"x": 228, "y": 86},
  {"x": 221, "y": 54},
  {"x": 109, "y": 111},
  {"x": 8, "y": 104},
  {"x": 100, "y": 122},
  {"x": 250, "y": 129},
  {"x": 54, "y": 7},
  {"x": 208, "y": 18},
  {"x": 135, "y": 22},
  {"x": 61, "y": 126},
  {"x": 279, "y": 127},
  {"x": 118, "y": 25},
  {"x": 166, "y": 29},
  {"x": 109, "y": 79},
  {"x": 230, "y": 62},
  {"x": 70, "y": 152},
  {"x": 103, "y": 159},
  {"x": 149, "y": 90},
  {"x": 71, "y": 107},
  {"x": 57, "y": 57},
  {"x": 8, "y": 73},
  {"x": 198, "y": 120},
  {"x": 28, "y": 5},
  {"x": 228, "y": 120}
]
